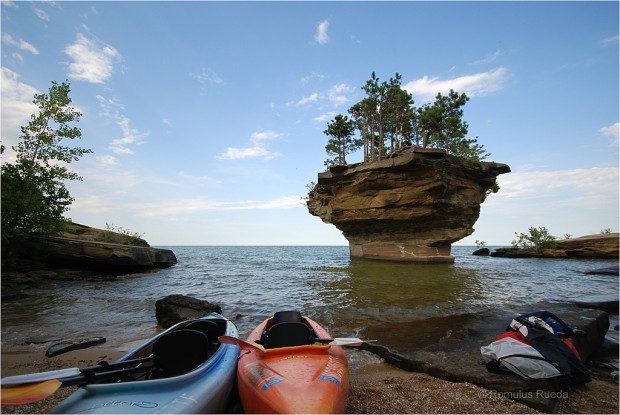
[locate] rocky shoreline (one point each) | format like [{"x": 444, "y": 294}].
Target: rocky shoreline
[
  {"x": 599, "y": 246},
  {"x": 79, "y": 253}
]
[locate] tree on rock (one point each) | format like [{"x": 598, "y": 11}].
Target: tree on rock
[
  {"x": 341, "y": 130},
  {"x": 34, "y": 196}
]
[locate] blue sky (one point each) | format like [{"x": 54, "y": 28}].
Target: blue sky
[{"x": 206, "y": 119}]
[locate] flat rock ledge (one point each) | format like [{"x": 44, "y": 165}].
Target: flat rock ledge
[
  {"x": 600, "y": 246},
  {"x": 410, "y": 207},
  {"x": 99, "y": 256}
]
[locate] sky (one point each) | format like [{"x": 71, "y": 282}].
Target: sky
[{"x": 206, "y": 119}]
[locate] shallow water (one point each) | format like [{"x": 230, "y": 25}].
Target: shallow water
[{"x": 250, "y": 283}]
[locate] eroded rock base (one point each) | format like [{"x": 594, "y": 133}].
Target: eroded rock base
[{"x": 386, "y": 251}]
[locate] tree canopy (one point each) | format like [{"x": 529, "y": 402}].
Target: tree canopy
[
  {"x": 387, "y": 120},
  {"x": 34, "y": 196},
  {"x": 341, "y": 130}
]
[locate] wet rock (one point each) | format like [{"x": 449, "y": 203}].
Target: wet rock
[
  {"x": 176, "y": 307},
  {"x": 608, "y": 304},
  {"x": 460, "y": 360},
  {"x": 481, "y": 252},
  {"x": 70, "y": 345},
  {"x": 604, "y": 271},
  {"x": 43, "y": 274},
  {"x": 410, "y": 207}
]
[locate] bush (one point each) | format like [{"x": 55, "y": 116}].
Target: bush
[
  {"x": 538, "y": 239},
  {"x": 480, "y": 244}
]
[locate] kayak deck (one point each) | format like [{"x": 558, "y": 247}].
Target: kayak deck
[{"x": 297, "y": 379}]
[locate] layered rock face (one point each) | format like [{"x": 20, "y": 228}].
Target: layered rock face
[{"x": 410, "y": 207}]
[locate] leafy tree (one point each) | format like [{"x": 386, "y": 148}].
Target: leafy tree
[
  {"x": 34, "y": 196},
  {"x": 341, "y": 130},
  {"x": 605, "y": 231},
  {"x": 537, "y": 238},
  {"x": 480, "y": 244}
]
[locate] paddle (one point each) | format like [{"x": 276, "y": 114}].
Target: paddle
[
  {"x": 342, "y": 341},
  {"x": 33, "y": 387}
]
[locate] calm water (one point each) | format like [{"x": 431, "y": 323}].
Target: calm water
[{"x": 250, "y": 283}]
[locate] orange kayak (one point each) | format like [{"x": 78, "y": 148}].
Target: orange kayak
[{"x": 295, "y": 374}]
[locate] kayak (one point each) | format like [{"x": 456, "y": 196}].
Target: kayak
[
  {"x": 295, "y": 373},
  {"x": 187, "y": 371}
]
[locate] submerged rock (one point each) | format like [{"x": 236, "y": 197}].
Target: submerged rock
[
  {"x": 410, "y": 207},
  {"x": 176, "y": 307},
  {"x": 604, "y": 271}
]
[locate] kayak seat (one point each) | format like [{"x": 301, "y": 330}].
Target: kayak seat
[
  {"x": 210, "y": 329},
  {"x": 288, "y": 335},
  {"x": 180, "y": 351},
  {"x": 287, "y": 317}
]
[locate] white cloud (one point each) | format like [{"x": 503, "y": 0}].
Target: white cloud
[
  {"x": 112, "y": 110},
  {"x": 17, "y": 106},
  {"x": 478, "y": 84},
  {"x": 314, "y": 97},
  {"x": 311, "y": 77},
  {"x": 261, "y": 136},
  {"x": 610, "y": 40},
  {"x": 188, "y": 206},
  {"x": 491, "y": 57},
  {"x": 166, "y": 121},
  {"x": 566, "y": 185},
  {"x": 107, "y": 160},
  {"x": 612, "y": 131},
  {"x": 326, "y": 116},
  {"x": 321, "y": 35},
  {"x": 9, "y": 3},
  {"x": 198, "y": 180},
  {"x": 207, "y": 75},
  {"x": 93, "y": 61},
  {"x": 339, "y": 94},
  {"x": 232, "y": 153},
  {"x": 335, "y": 96},
  {"x": 20, "y": 43},
  {"x": 41, "y": 14},
  {"x": 19, "y": 58}
]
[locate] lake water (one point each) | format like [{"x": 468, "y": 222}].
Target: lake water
[{"x": 251, "y": 283}]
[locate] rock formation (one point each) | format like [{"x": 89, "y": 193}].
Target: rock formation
[
  {"x": 409, "y": 207},
  {"x": 600, "y": 246},
  {"x": 174, "y": 308}
]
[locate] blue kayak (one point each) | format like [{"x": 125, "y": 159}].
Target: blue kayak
[{"x": 182, "y": 370}]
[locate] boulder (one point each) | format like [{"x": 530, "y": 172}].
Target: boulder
[
  {"x": 176, "y": 307},
  {"x": 409, "y": 207},
  {"x": 481, "y": 252}
]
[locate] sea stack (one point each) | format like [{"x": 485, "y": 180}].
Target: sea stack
[{"x": 409, "y": 207}]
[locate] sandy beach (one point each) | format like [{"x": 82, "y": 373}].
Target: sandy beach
[{"x": 375, "y": 387}]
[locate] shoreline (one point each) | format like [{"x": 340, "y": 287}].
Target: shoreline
[{"x": 375, "y": 387}]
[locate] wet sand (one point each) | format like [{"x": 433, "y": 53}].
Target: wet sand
[{"x": 376, "y": 387}]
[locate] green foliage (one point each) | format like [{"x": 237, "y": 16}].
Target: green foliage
[
  {"x": 120, "y": 235},
  {"x": 538, "y": 239},
  {"x": 480, "y": 244},
  {"x": 387, "y": 113},
  {"x": 567, "y": 236},
  {"x": 342, "y": 142},
  {"x": 605, "y": 231},
  {"x": 34, "y": 196}
]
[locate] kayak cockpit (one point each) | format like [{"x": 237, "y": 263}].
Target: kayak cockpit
[
  {"x": 288, "y": 329},
  {"x": 177, "y": 351}
]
